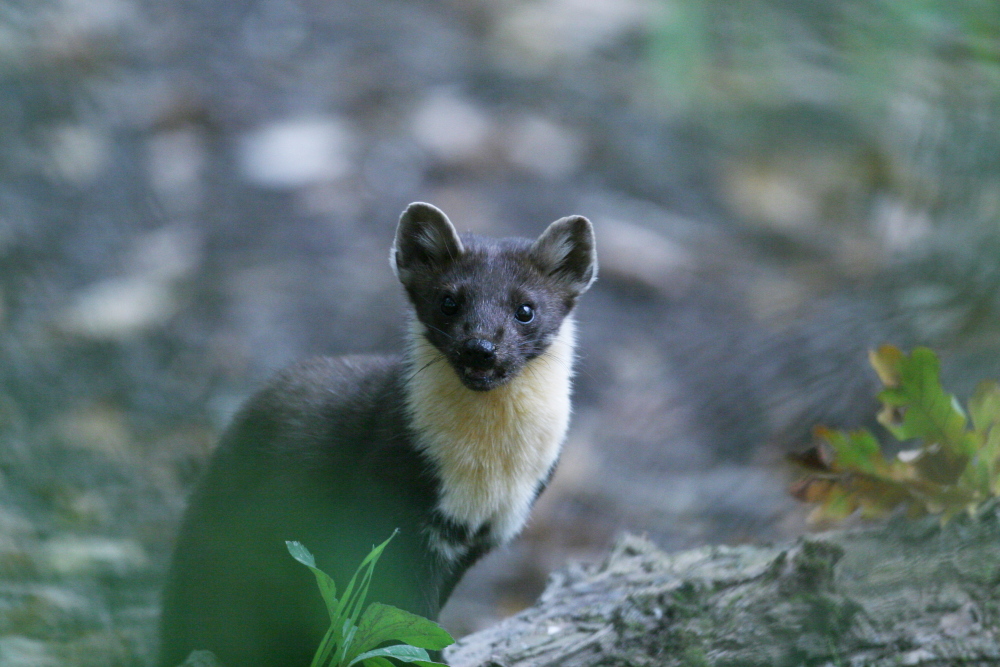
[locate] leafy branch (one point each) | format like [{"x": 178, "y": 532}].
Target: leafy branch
[
  {"x": 356, "y": 638},
  {"x": 952, "y": 465}
]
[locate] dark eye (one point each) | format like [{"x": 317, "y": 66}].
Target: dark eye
[
  {"x": 449, "y": 306},
  {"x": 524, "y": 313}
]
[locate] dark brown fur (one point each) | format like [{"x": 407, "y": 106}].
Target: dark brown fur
[{"x": 327, "y": 455}]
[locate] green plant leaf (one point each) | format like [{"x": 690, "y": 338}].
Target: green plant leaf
[
  {"x": 857, "y": 450},
  {"x": 383, "y": 623},
  {"x": 331, "y": 640},
  {"x": 351, "y": 600},
  {"x": 334, "y": 637},
  {"x": 400, "y": 652},
  {"x": 327, "y": 588},
  {"x": 382, "y": 662},
  {"x": 917, "y": 407},
  {"x": 350, "y": 641},
  {"x": 377, "y": 661}
]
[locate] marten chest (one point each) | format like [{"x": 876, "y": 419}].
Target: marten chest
[{"x": 491, "y": 450}]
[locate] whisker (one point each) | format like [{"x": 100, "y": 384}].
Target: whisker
[
  {"x": 560, "y": 358},
  {"x": 584, "y": 372},
  {"x": 424, "y": 367},
  {"x": 443, "y": 333},
  {"x": 581, "y": 369}
]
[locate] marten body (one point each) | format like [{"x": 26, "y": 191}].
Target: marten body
[{"x": 450, "y": 443}]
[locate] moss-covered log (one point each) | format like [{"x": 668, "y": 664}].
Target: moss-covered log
[{"x": 908, "y": 593}]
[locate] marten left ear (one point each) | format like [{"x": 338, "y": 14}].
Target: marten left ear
[
  {"x": 566, "y": 251},
  {"x": 426, "y": 242}
]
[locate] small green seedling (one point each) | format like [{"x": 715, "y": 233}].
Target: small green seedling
[
  {"x": 952, "y": 460},
  {"x": 357, "y": 638}
]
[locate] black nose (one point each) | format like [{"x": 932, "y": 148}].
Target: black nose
[{"x": 478, "y": 353}]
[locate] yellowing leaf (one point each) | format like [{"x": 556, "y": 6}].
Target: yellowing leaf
[
  {"x": 952, "y": 470},
  {"x": 984, "y": 406},
  {"x": 886, "y": 362}
]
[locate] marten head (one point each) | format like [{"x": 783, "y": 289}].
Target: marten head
[{"x": 491, "y": 305}]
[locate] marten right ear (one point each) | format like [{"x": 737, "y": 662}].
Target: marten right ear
[
  {"x": 565, "y": 251},
  {"x": 426, "y": 242}
]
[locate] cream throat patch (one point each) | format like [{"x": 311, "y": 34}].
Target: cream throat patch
[{"x": 492, "y": 449}]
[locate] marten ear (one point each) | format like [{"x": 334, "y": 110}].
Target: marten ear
[
  {"x": 566, "y": 251},
  {"x": 426, "y": 242}
]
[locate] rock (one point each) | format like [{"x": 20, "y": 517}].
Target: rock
[
  {"x": 544, "y": 148},
  {"x": 451, "y": 127},
  {"x": 864, "y": 597},
  {"x": 70, "y": 555},
  {"x": 19, "y": 651},
  {"x": 201, "y": 659},
  {"x": 295, "y": 152}
]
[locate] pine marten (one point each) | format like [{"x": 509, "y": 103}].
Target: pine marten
[{"x": 450, "y": 442}]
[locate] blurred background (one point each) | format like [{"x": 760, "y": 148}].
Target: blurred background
[{"x": 194, "y": 194}]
